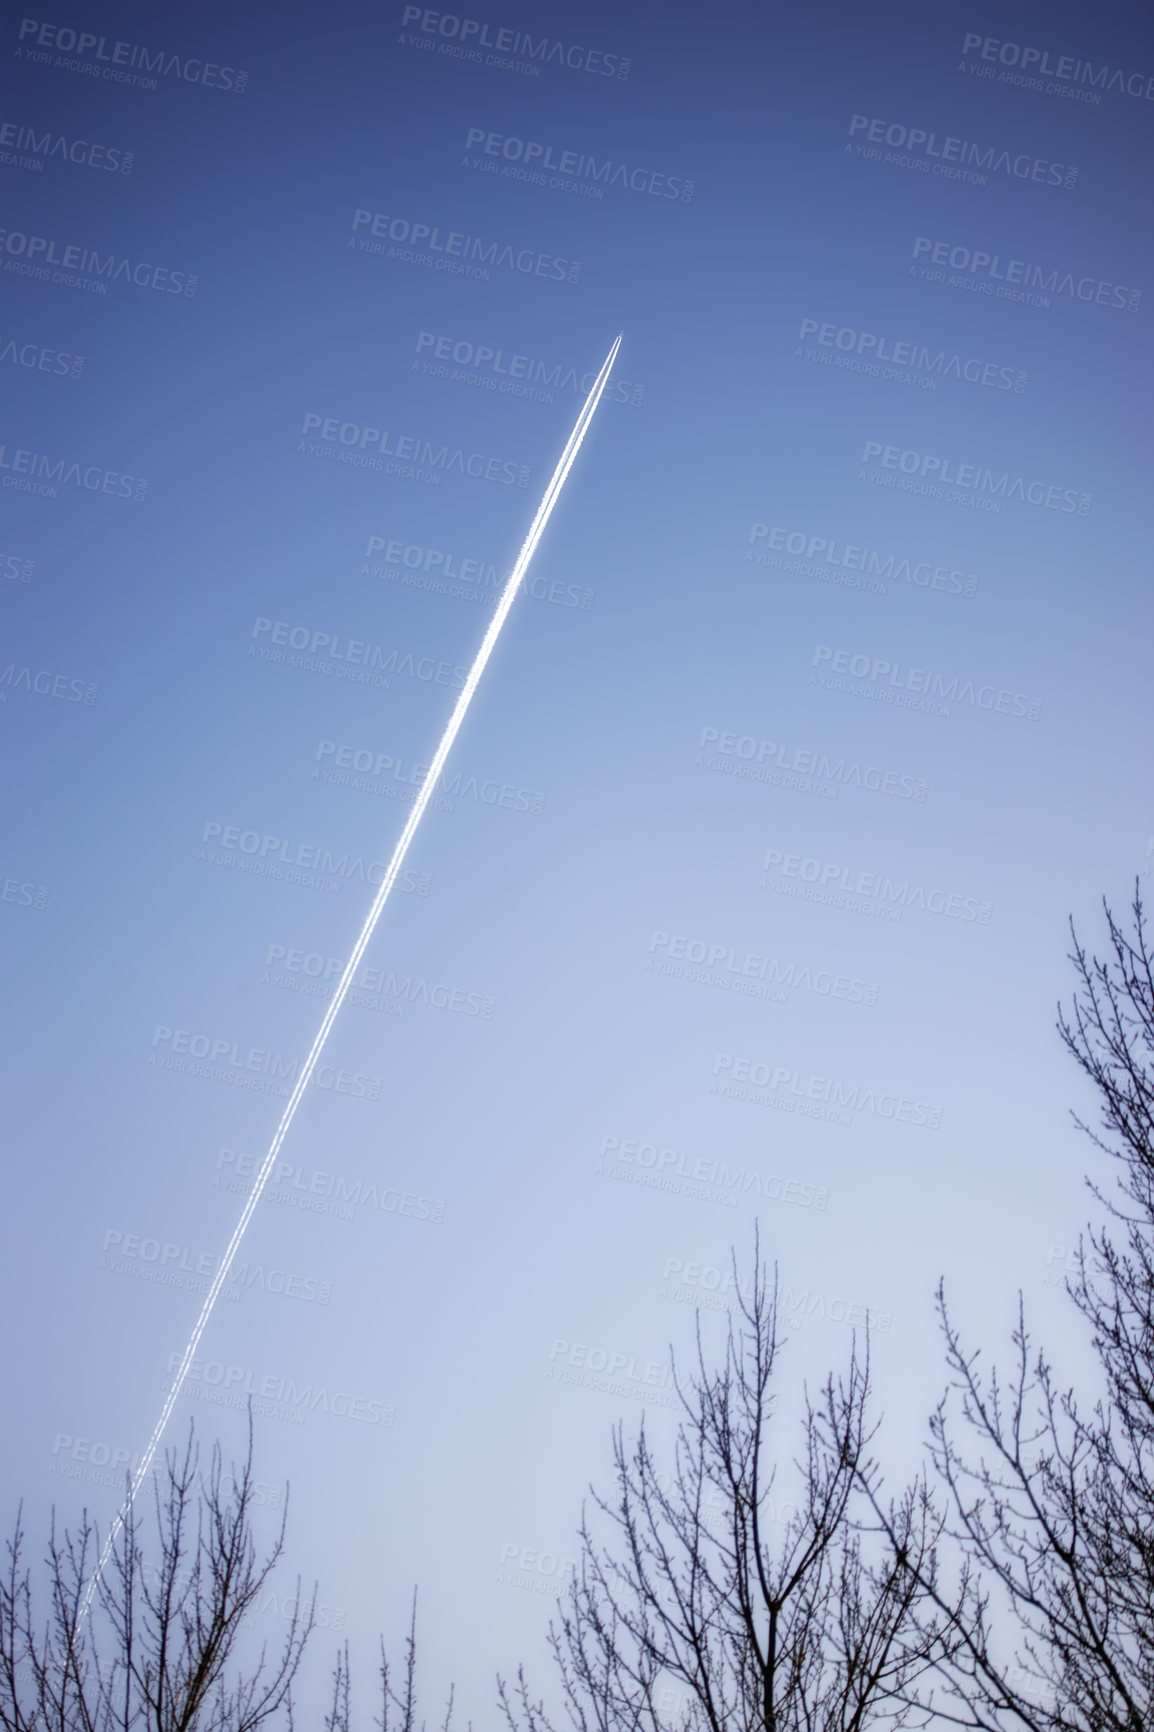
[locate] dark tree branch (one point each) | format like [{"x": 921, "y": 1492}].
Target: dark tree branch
[{"x": 811, "y": 1624}]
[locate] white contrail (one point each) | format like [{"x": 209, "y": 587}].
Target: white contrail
[{"x": 432, "y": 775}]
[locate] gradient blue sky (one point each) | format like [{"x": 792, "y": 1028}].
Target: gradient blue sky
[{"x": 650, "y": 627}]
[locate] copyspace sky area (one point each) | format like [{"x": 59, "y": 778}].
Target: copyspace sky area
[{"x": 745, "y": 897}]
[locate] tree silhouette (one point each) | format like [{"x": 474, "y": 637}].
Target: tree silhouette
[
  {"x": 399, "y": 1705},
  {"x": 153, "y": 1646},
  {"x": 809, "y": 1628},
  {"x": 1052, "y": 1500}
]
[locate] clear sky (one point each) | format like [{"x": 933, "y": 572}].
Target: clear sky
[{"x": 746, "y": 895}]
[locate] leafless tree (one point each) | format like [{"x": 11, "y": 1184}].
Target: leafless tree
[
  {"x": 1053, "y": 1497},
  {"x": 399, "y": 1705},
  {"x": 156, "y": 1649},
  {"x": 705, "y": 1611}
]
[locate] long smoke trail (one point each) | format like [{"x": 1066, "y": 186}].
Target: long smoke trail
[{"x": 537, "y": 528}]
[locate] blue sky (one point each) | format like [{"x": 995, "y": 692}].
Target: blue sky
[{"x": 756, "y": 566}]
